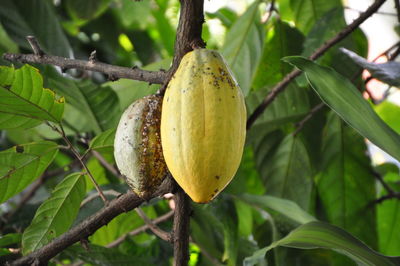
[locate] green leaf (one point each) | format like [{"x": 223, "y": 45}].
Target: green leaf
[
  {"x": 284, "y": 207},
  {"x": 243, "y": 46},
  {"x": 86, "y": 10},
  {"x": 340, "y": 95},
  {"x": 225, "y": 15},
  {"x": 19, "y": 21},
  {"x": 98, "y": 104},
  {"x": 23, "y": 100},
  {"x": 388, "y": 215},
  {"x": 388, "y": 227},
  {"x": 345, "y": 184},
  {"x": 288, "y": 106},
  {"x": 56, "y": 214},
  {"x": 283, "y": 40},
  {"x": 322, "y": 235},
  {"x": 389, "y": 113},
  {"x": 104, "y": 141},
  {"x": 22, "y": 164},
  {"x": 307, "y": 12},
  {"x": 102, "y": 256},
  {"x": 10, "y": 239},
  {"x": 286, "y": 172}
]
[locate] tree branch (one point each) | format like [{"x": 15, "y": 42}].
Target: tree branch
[
  {"x": 124, "y": 203},
  {"x": 113, "y": 72},
  {"x": 141, "y": 229},
  {"x": 154, "y": 228},
  {"x": 188, "y": 34},
  {"x": 181, "y": 228},
  {"x": 319, "y": 52}
]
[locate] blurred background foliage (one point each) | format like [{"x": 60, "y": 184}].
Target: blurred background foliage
[{"x": 325, "y": 170}]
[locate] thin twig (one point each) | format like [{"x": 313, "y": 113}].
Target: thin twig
[
  {"x": 141, "y": 229},
  {"x": 387, "y": 197},
  {"x": 79, "y": 157},
  {"x": 91, "y": 197},
  {"x": 319, "y": 52},
  {"x": 106, "y": 164},
  {"x": 113, "y": 72},
  {"x": 313, "y": 111},
  {"x": 35, "y": 46},
  {"x": 378, "y": 12},
  {"x": 154, "y": 228},
  {"x": 389, "y": 190}
]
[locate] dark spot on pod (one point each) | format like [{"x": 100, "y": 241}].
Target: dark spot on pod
[
  {"x": 208, "y": 68},
  {"x": 19, "y": 149},
  {"x": 219, "y": 99},
  {"x": 233, "y": 96},
  {"x": 217, "y": 177},
  {"x": 173, "y": 129},
  {"x": 212, "y": 195},
  {"x": 216, "y": 190}
]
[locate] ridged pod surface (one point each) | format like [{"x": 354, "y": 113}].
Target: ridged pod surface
[
  {"x": 203, "y": 125},
  {"x": 137, "y": 146}
]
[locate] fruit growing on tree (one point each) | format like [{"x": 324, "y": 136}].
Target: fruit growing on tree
[
  {"x": 203, "y": 125},
  {"x": 137, "y": 146}
]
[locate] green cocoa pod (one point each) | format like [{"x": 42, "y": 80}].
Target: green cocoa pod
[{"x": 137, "y": 146}]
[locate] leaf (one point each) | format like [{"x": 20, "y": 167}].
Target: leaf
[
  {"x": 22, "y": 164},
  {"x": 102, "y": 256},
  {"x": 226, "y": 15},
  {"x": 99, "y": 104},
  {"x": 307, "y": 12},
  {"x": 388, "y": 213},
  {"x": 243, "y": 46},
  {"x": 19, "y": 21},
  {"x": 104, "y": 141},
  {"x": 386, "y": 72},
  {"x": 322, "y": 235},
  {"x": 283, "y": 40},
  {"x": 286, "y": 172},
  {"x": 56, "y": 214},
  {"x": 10, "y": 239},
  {"x": 23, "y": 100},
  {"x": 288, "y": 106},
  {"x": 340, "y": 95},
  {"x": 284, "y": 207},
  {"x": 345, "y": 183},
  {"x": 86, "y": 10},
  {"x": 389, "y": 113}
]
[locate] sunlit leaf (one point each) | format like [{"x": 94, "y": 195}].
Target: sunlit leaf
[
  {"x": 56, "y": 214},
  {"x": 22, "y": 164},
  {"x": 243, "y": 46},
  {"x": 23, "y": 100}
]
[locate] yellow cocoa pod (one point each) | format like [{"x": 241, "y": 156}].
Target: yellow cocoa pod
[
  {"x": 203, "y": 125},
  {"x": 137, "y": 146}
]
